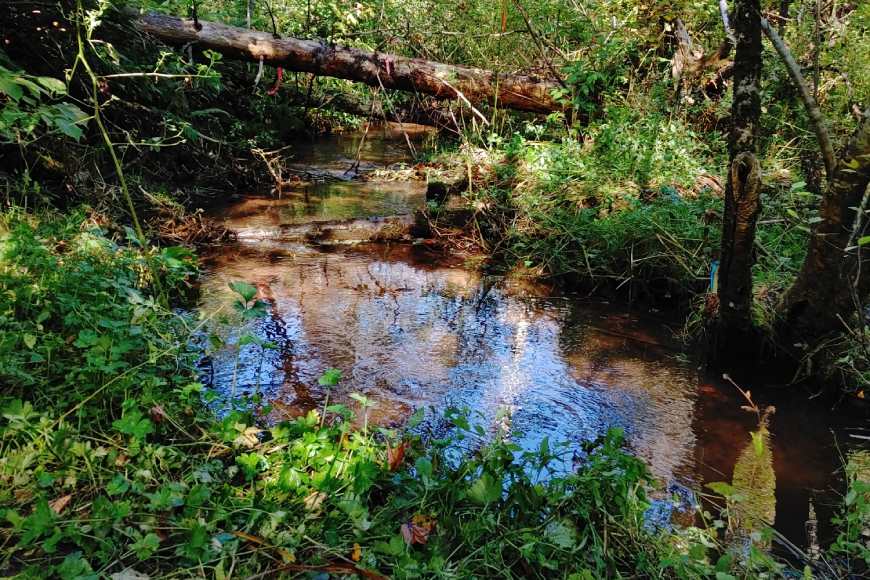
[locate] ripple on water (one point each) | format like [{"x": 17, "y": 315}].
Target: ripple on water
[{"x": 409, "y": 329}]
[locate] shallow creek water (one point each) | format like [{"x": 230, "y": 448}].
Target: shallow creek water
[{"x": 411, "y": 328}]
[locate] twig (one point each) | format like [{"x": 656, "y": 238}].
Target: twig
[
  {"x": 539, "y": 42},
  {"x": 465, "y": 100}
]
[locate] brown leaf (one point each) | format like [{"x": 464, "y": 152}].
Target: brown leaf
[
  {"x": 250, "y": 537},
  {"x": 59, "y": 504},
  {"x": 157, "y": 414},
  {"x": 417, "y": 530},
  {"x": 121, "y": 460},
  {"x": 314, "y": 500},
  {"x": 395, "y": 455}
]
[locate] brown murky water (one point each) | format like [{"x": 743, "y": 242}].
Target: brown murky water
[{"x": 409, "y": 328}]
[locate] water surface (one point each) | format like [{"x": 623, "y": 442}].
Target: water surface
[{"x": 410, "y": 328}]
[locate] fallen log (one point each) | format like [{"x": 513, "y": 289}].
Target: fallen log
[{"x": 442, "y": 81}]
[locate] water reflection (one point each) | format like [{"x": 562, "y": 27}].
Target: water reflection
[
  {"x": 411, "y": 329},
  {"x": 408, "y": 332}
]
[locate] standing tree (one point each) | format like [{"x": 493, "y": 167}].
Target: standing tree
[
  {"x": 735, "y": 334},
  {"x": 833, "y": 284}
]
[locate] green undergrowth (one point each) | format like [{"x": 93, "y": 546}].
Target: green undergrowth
[
  {"x": 110, "y": 459},
  {"x": 634, "y": 202}
]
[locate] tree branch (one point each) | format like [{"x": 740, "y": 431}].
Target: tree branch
[{"x": 810, "y": 103}]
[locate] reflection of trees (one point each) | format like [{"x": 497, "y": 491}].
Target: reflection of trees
[
  {"x": 407, "y": 333},
  {"x": 652, "y": 400},
  {"x": 754, "y": 484}
]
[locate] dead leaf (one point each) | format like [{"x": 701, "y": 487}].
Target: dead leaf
[
  {"x": 357, "y": 553},
  {"x": 417, "y": 530},
  {"x": 121, "y": 460},
  {"x": 314, "y": 500},
  {"x": 250, "y": 537},
  {"x": 249, "y": 437},
  {"x": 395, "y": 455},
  {"x": 59, "y": 504},
  {"x": 157, "y": 414}
]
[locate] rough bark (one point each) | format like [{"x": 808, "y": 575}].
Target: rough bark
[
  {"x": 443, "y": 81},
  {"x": 833, "y": 284},
  {"x": 742, "y": 202}
]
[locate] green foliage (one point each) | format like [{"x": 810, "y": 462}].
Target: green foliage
[
  {"x": 853, "y": 543},
  {"x": 32, "y": 107},
  {"x": 108, "y": 460}
]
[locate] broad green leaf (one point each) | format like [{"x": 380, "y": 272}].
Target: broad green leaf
[
  {"x": 329, "y": 378},
  {"x": 10, "y": 88},
  {"x": 243, "y": 289},
  {"x": 485, "y": 490},
  {"x": 54, "y": 86}
]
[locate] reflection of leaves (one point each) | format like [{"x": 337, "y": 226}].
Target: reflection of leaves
[
  {"x": 754, "y": 484},
  {"x": 395, "y": 455}
]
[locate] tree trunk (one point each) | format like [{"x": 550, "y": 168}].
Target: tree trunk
[
  {"x": 443, "y": 81},
  {"x": 742, "y": 202},
  {"x": 833, "y": 283}
]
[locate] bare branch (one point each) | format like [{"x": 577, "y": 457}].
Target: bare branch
[
  {"x": 807, "y": 97},
  {"x": 723, "y": 11}
]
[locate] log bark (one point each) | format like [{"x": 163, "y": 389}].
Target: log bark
[
  {"x": 443, "y": 81},
  {"x": 735, "y": 333},
  {"x": 834, "y": 282}
]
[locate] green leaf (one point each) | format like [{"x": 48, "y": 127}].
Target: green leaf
[
  {"x": 417, "y": 418},
  {"x": 364, "y": 401},
  {"x": 39, "y": 523},
  {"x": 86, "y": 338},
  {"x": 146, "y": 546},
  {"x": 29, "y": 341},
  {"x": 485, "y": 490},
  {"x": 863, "y": 240},
  {"x": 135, "y": 424},
  {"x": 722, "y": 488},
  {"x": 10, "y": 88},
  {"x": 118, "y": 486},
  {"x": 54, "y": 86},
  {"x": 424, "y": 469},
  {"x": 851, "y": 496},
  {"x": 251, "y": 464},
  {"x": 329, "y": 378},
  {"x": 68, "y": 128},
  {"x": 243, "y": 289},
  {"x": 561, "y": 533}
]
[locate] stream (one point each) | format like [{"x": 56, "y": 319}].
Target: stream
[{"x": 412, "y": 328}]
